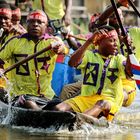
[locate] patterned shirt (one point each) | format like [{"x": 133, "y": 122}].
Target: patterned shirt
[
  {"x": 34, "y": 74},
  {"x": 102, "y": 77}
]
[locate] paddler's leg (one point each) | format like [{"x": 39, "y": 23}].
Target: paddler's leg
[
  {"x": 71, "y": 90},
  {"x": 63, "y": 107},
  {"x": 31, "y": 105},
  {"x": 25, "y": 101},
  {"x": 100, "y": 107}
]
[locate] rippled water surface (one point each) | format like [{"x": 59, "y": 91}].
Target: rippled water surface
[{"x": 125, "y": 127}]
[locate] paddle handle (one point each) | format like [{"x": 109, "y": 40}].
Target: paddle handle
[
  {"x": 121, "y": 26},
  {"x": 26, "y": 59},
  {"x": 134, "y": 7},
  {"x": 76, "y": 37}
]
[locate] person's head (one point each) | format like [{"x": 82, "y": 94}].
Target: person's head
[
  {"x": 113, "y": 20},
  {"x": 16, "y": 14},
  {"x": 5, "y": 15},
  {"x": 92, "y": 22},
  {"x": 106, "y": 38},
  {"x": 36, "y": 23}
]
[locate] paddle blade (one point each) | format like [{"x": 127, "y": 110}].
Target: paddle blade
[{"x": 135, "y": 69}]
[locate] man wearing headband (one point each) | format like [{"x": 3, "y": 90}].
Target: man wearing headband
[
  {"x": 102, "y": 92},
  {"x": 6, "y": 32},
  {"x": 59, "y": 14},
  {"x": 109, "y": 17},
  {"x": 32, "y": 80},
  {"x": 5, "y": 21},
  {"x": 16, "y": 17},
  {"x": 6, "y": 26}
]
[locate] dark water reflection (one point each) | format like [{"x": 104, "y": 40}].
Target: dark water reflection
[
  {"x": 7, "y": 133},
  {"x": 128, "y": 128}
]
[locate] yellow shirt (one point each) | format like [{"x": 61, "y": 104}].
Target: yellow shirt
[
  {"x": 24, "y": 78},
  {"x": 53, "y": 8},
  {"x": 135, "y": 35},
  {"x": 92, "y": 67}
]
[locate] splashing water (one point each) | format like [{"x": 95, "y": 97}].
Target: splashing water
[
  {"x": 1, "y": 32},
  {"x": 8, "y": 89}
]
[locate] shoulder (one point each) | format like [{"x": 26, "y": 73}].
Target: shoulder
[
  {"x": 119, "y": 58},
  {"x": 134, "y": 30}
]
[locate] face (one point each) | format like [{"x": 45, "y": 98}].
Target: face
[
  {"x": 108, "y": 46},
  {"x": 36, "y": 27},
  {"x": 5, "y": 22},
  {"x": 113, "y": 19},
  {"x": 15, "y": 20}
]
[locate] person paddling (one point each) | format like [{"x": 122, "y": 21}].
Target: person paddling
[
  {"x": 32, "y": 80},
  {"x": 103, "y": 69}
]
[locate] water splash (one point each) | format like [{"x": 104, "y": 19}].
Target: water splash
[
  {"x": 1, "y": 32},
  {"x": 8, "y": 89}
]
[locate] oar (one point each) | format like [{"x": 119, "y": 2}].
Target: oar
[
  {"x": 135, "y": 66},
  {"x": 26, "y": 59},
  {"x": 133, "y": 6},
  {"x": 77, "y": 37},
  {"x": 121, "y": 26}
]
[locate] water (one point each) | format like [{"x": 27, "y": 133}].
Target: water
[{"x": 126, "y": 127}]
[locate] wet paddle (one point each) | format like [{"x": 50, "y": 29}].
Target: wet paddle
[
  {"x": 77, "y": 37},
  {"x": 121, "y": 26},
  {"x": 134, "y": 7},
  {"x": 26, "y": 59},
  {"x": 135, "y": 66}
]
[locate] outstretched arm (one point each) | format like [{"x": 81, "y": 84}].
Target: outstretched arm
[
  {"x": 67, "y": 16},
  {"x": 106, "y": 14},
  {"x": 78, "y": 54}
]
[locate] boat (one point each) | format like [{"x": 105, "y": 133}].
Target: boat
[{"x": 44, "y": 118}]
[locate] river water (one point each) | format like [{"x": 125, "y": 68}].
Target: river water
[{"x": 125, "y": 127}]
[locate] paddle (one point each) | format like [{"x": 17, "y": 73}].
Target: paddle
[
  {"x": 121, "y": 26},
  {"x": 26, "y": 59},
  {"x": 135, "y": 66},
  {"x": 77, "y": 37},
  {"x": 133, "y": 6}
]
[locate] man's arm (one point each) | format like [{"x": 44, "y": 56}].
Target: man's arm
[
  {"x": 106, "y": 14},
  {"x": 78, "y": 54},
  {"x": 67, "y": 16}
]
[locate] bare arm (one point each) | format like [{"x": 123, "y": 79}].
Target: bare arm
[
  {"x": 108, "y": 12},
  {"x": 78, "y": 54},
  {"x": 67, "y": 16}
]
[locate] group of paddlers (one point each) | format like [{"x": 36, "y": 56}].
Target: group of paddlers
[{"x": 107, "y": 81}]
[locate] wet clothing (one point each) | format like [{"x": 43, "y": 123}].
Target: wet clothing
[
  {"x": 83, "y": 103},
  {"x": 33, "y": 77},
  {"x": 101, "y": 78},
  {"x": 129, "y": 86}
]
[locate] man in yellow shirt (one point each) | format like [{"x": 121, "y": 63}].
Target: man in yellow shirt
[
  {"x": 32, "y": 79},
  {"x": 103, "y": 69},
  {"x": 6, "y": 31},
  {"x": 59, "y": 14}
]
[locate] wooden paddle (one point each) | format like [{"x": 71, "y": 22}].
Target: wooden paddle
[
  {"x": 124, "y": 34},
  {"x": 77, "y": 37},
  {"x": 134, "y": 7},
  {"x": 26, "y": 59}
]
